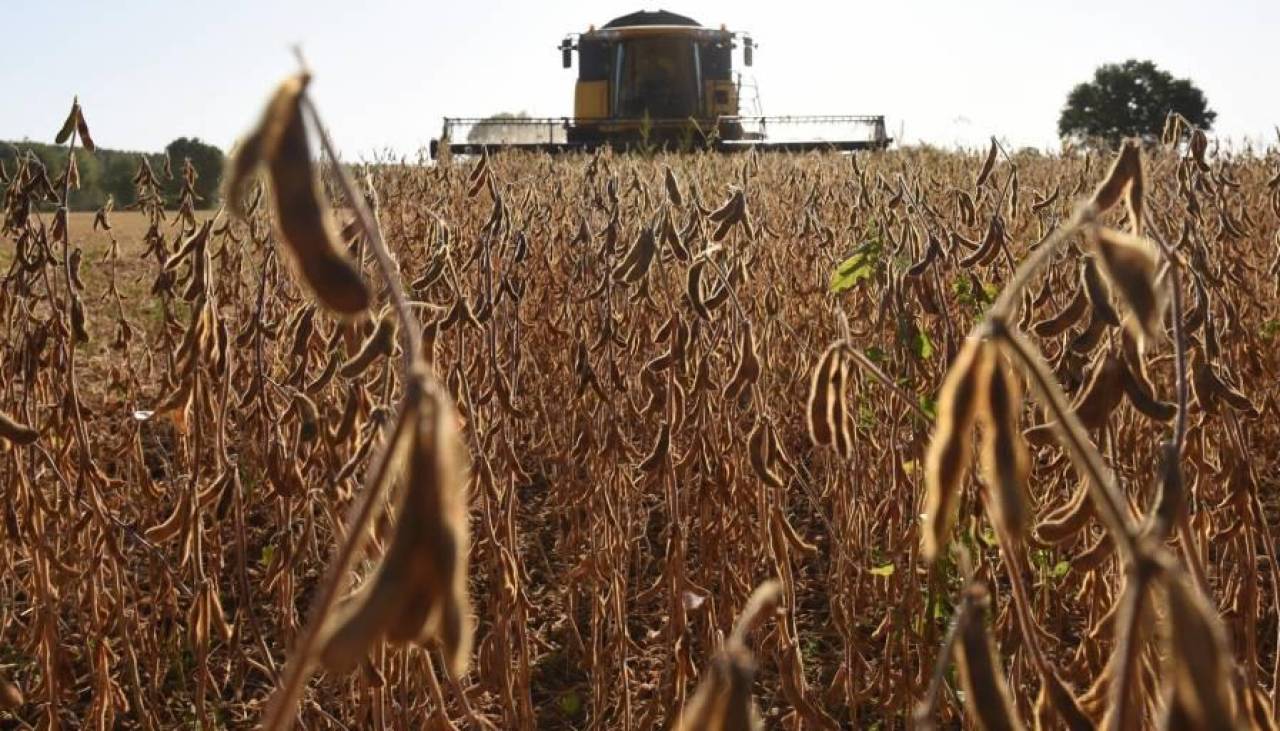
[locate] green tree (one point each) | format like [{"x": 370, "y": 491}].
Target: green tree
[
  {"x": 117, "y": 178},
  {"x": 1130, "y": 99},
  {"x": 207, "y": 161}
]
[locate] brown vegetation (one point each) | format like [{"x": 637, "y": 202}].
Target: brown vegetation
[{"x": 677, "y": 379}]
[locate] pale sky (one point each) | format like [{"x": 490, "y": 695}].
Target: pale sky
[{"x": 946, "y": 72}]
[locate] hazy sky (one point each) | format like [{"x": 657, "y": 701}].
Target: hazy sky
[{"x": 942, "y": 71}]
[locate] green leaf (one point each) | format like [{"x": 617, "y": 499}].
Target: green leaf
[
  {"x": 866, "y": 417},
  {"x": 884, "y": 570},
  {"x": 268, "y": 553},
  {"x": 859, "y": 267},
  {"x": 570, "y": 703},
  {"x": 851, "y": 271},
  {"x": 914, "y": 339},
  {"x": 942, "y": 608},
  {"x": 929, "y": 406},
  {"x": 922, "y": 346},
  {"x": 1269, "y": 329},
  {"x": 1060, "y": 569},
  {"x": 1040, "y": 557},
  {"x": 875, "y": 354}
]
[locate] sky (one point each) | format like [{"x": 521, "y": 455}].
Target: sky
[{"x": 945, "y": 72}]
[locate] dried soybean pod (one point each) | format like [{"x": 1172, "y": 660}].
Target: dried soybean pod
[
  {"x": 330, "y": 370},
  {"x": 381, "y": 342},
  {"x": 419, "y": 591},
  {"x": 792, "y": 536},
  {"x": 242, "y": 163},
  {"x": 1257, "y": 708},
  {"x": 731, "y": 210},
  {"x": 1171, "y": 502},
  {"x": 1131, "y": 266},
  {"x": 437, "y": 491},
  {"x": 1198, "y": 147},
  {"x": 1135, "y": 195},
  {"x": 177, "y": 398},
  {"x": 1088, "y": 338},
  {"x": 722, "y": 701},
  {"x": 748, "y": 370},
  {"x": 985, "y": 250},
  {"x": 1101, "y": 394},
  {"x": 1209, "y": 388},
  {"x": 661, "y": 447},
  {"x": 82, "y": 128},
  {"x": 1064, "y": 703},
  {"x": 931, "y": 252},
  {"x": 1194, "y": 318},
  {"x": 1093, "y": 556},
  {"x": 987, "y": 165},
  {"x": 15, "y": 431},
  {"x": 1099, "y": 293},
  {"x": 1064, "y": 522},
  {"x": 69, "y": 124},
  {"x": 693, "y": 289},
  {"x": 1172, "y": 129},
  {"x": 758, "y": 454},
  {"x": 636, "y": 263},
  {"x": 302, "y": 211},
  {"x": 948, "y": 456},
  {"x": 1037, "y": 206},
  {"x": 308, "y": 416},
  {"x": 347, "y": 422},
  {"x": 361, "y": 619},
  {"x": 1005, "y": 460},
  {"x": 1199, "y": 657},
  {"x": 673, "y": 187},
  {"x": 1123, "y": 170},
  {"x": 819, "y": 393},
  {"x": 10, "y": 695},
  {"x": 479, "y": 175},
  {"x": 302, "y": 331},
  {"x": 170, "y": 527},
  {"x": 986, "y": 692},
  {"x": 1143, "y": 400},
  {"x": 721, "y": 295},
  {"x": 78, "y": 319},
  {"x": 1058, "y": 324},
  {"x": 672, "y": 237},
  {"x": 838, "y": 419}
]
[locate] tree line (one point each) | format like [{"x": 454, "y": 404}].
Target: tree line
[{"x": 110, "y": 173}]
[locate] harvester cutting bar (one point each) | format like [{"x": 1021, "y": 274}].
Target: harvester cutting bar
[{"x": 724, "y": 134}]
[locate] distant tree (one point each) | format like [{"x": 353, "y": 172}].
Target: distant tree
[
  {"x": 89, "y": 195},
  {"x": 1130, "y": 99},
  {"x": 117, "y": 178},
  {"x": 207, "y": 161}
]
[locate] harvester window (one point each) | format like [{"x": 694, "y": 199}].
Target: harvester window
[
  {"x": 593, "y": 61},
  {"x": 658, "y": 76}
]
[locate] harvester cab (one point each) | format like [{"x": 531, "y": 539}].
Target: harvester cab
[{"x": 654, "y": 80}]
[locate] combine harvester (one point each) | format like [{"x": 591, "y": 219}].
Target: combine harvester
[{"x": 657, "y": 79}]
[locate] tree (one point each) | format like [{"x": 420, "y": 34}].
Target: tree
[
  {"x": 117, "y": 178},
  {"x": 207, "y": 161},
  {"x": 1130, "y": 100}
]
